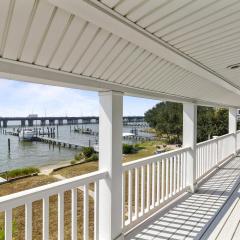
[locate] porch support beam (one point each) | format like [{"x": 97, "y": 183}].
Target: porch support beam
[
  {"x": 26, "y": 72},
  {"x": 190, "y": 140},
  {"x": 110, "y": 159},
  {"x": 232, "y": 125}
]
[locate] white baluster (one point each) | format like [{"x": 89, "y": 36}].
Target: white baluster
[
  {"x": 153, "y": 184},
  {"x": 163, "y": 180},
  {"x": 178, "y": 173},
  {"x": 85, "y": 213},
  {"x": 171, "y": 176},
  {"x": 45, "y": 218},
  {"x": 142, "y": 190},
  {"x": 61, "y": 216},
  {"x": 123, "y": 199},
  {"x": 184, "y": 168},
  {"x": 167, "y": 178},
  {"x": 174, "y": 174},
  {"x": 74, "y": 214},
  {"x": 130, "y": 196},
  {"x": 28, "y": 221},
  {"x": 201, "y": 165},
  {"x": 96, "y": 209},
  {"x": 158, "y": 182},
  {"x": 8, "y": 224},
  {"x": 136, "y": 192},
  {"x": 181, "y": 167},
  {"x": 148, "y": 187}
]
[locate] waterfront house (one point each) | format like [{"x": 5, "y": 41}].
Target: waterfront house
[{"x": 182, "y": 51}]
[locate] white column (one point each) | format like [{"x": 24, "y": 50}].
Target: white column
[
  {"x": 232, "y": 125},
  {"x": 190, "y": 140},
  {"x": 110, "y": 159}
]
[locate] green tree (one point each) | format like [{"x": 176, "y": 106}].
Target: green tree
[
  {"x": 220, "y": 121},
  {"x": 204, "y": 123},
  {"x": 166, "y": 118}
]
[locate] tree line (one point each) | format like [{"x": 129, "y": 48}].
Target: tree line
[{"x": 167, "y": 119}]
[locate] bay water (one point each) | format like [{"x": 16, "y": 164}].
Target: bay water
[{"x": 37, "y": 154}]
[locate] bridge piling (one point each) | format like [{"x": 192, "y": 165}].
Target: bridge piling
[{"x": 5, "y": 123}]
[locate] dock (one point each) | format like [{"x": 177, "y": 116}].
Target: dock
[{"x": 62, "y": 143}]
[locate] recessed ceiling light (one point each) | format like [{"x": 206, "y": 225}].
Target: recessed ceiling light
[{"x": 234, "y": 66}]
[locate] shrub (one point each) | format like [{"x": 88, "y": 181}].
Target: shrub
[
  {"x": 94, "y": 157},
  {"x": 174, "y": 140},
  {"x": 77, "y": 157},
  {"x": 73, "y": 162},
  {"x": 128, "y": 148},
  {"x": 19, "y": 172},
  {"x": 88, "y": 151}
]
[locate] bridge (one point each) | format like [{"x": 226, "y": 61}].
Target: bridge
[{"x": 29, "y": 121}]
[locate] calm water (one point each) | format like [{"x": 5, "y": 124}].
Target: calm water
[{"x": 39, "y": 154}]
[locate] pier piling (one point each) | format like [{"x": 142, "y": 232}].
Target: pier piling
[
  {"x": 9, "y": 145},
  {"x": 57, "y": 132}
]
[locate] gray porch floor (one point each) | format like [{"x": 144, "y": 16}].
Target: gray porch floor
[{"x": 211, "y": 213}]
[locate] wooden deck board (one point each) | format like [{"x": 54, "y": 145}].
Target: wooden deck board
[
  {"x": 237, "y": 232},
  {"x": 226, "y": 224},
  {"x": 191, "y": 217}
]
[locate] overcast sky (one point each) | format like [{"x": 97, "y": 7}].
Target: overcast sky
[{"x": 21, "y": 99}]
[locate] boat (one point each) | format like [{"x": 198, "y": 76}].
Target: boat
[
  {"x": 26, "y": 134},
  {"x": 84, "y": 131},
  {"x": 128, "y": 134}
]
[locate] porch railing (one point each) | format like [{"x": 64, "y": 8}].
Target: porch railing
[
  {"x": 150, "y": 182},
  {"x": 27, "y": 198},
  {"x": 212, "y": 152}
]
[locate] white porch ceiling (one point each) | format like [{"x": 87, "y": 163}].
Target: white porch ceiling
[
  {"x": 206, "y": 30},
  {"x": 48, "y": 39}
]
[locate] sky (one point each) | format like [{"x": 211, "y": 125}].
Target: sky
[{"x": 21, "y": 99}]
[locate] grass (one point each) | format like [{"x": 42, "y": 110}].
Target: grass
[
  {"x": 146, "y": 149},
  {"x": 78, "y": 169},
  {"x": 19, "y": 172},
  {"x": 19, "y": 215}
]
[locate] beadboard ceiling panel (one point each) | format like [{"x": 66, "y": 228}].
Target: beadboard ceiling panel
[
  {"x": 41, "y": 34},
  {"x": 207, "y": 31}
]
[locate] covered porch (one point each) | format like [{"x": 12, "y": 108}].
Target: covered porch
[{"x": 124, "y": 47}]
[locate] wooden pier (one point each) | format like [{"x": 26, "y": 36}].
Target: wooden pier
[
  {"x": 55, "y": 142},
  {"x": 62, "y": 143}
]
